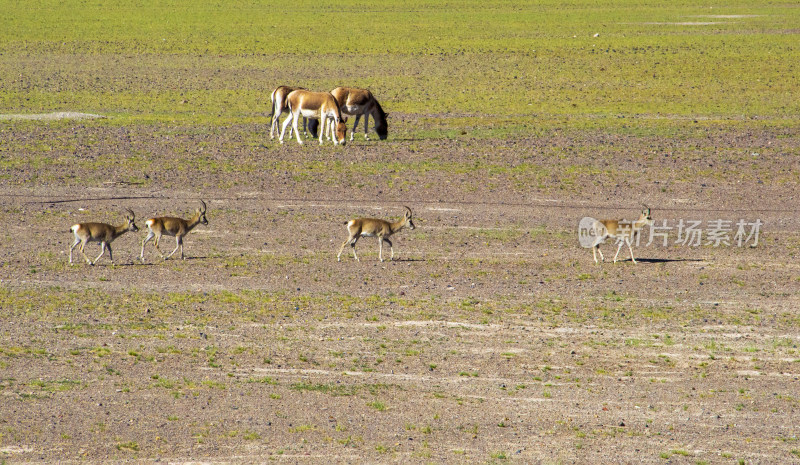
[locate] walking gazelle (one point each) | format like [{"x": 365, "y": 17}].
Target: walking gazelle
[
  {"x": 102, "y": 233},
  {"x": 373, "y": 227},
  {"x": 171, "y": 226},
  {"x": 623, "y": 231}
]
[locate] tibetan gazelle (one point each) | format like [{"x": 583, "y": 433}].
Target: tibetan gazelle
[
  {"x": 171, "y": 226},
  {"x": 102, "y": 233},
  {"x": 372, "y": 227},
  {"x": 624, "y": 232}
]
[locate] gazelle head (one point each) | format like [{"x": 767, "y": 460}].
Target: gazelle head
[
  {"x": 407, "y": 217},
  {"x": 201, "y": 213},
  {"x": 130, "y": 217},
  {"x": 645, "y": 216},
  {"x": 341, "y": 131}
]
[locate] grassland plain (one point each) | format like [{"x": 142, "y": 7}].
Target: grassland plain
[{"x": 494, "y": 338}]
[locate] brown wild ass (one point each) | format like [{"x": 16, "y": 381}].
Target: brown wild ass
[
  {"x": 102, "y": 233},
  {"x": 358, "y": 102},
  {"x": 279, "y": 106},
  {"x": 318, "y": 105},
  {"x": 170, "y": 226}
]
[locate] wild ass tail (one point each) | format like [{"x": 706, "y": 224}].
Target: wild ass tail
[{"x": 272, "y": 103}]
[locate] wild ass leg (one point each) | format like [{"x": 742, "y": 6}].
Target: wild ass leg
[
  {"x": 295, "y": 122},
  {"x": 323, "y": 121},
  {"x": 355, "y": 125},
  {"x": 286, "y": 122},
  {"x": 273, "y": 121}
]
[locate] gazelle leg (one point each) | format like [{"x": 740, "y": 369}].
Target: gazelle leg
[
  {"x": 618, "y": 249},
  {"x": 158, "y": 249},
  {"x": 390, "y": 248},
  {"x": 631, "y": 250},
  {"x": 77, "y": 241},
  {"x": 380, "y": 249},
  {"x": 110, "y": 254},
  {"x": 102, "y": 251},
  {"x": 596, "y": 247},
  {"x": 178, "y": 243},
  {"x": 83, "y": 244},
  {"x": 305, "y": 126},
  {"x": 144, "y": 242},
  {"x": 341, "y": 249}
]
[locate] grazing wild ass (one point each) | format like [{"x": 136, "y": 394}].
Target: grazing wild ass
[
  {"x": 102, "y": 233},
  {"x": 372, "y": 227},
  {"x": 358, "y": 102},
  {"x": 279, "y": 106},
  {"x": 170, "y": 226},
  {"x": 318, "y": 105},
  {"x": 623, "y": 231}
]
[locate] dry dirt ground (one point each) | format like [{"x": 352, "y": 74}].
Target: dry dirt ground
[{"x": 492, "y": 338}]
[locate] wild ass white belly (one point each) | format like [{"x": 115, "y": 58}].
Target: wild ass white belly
[
  {"x": 354, "y": 109},
  {"x": 309, "y": 113}
]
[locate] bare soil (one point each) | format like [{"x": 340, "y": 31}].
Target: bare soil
[{"x": 492, "y": 337}]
